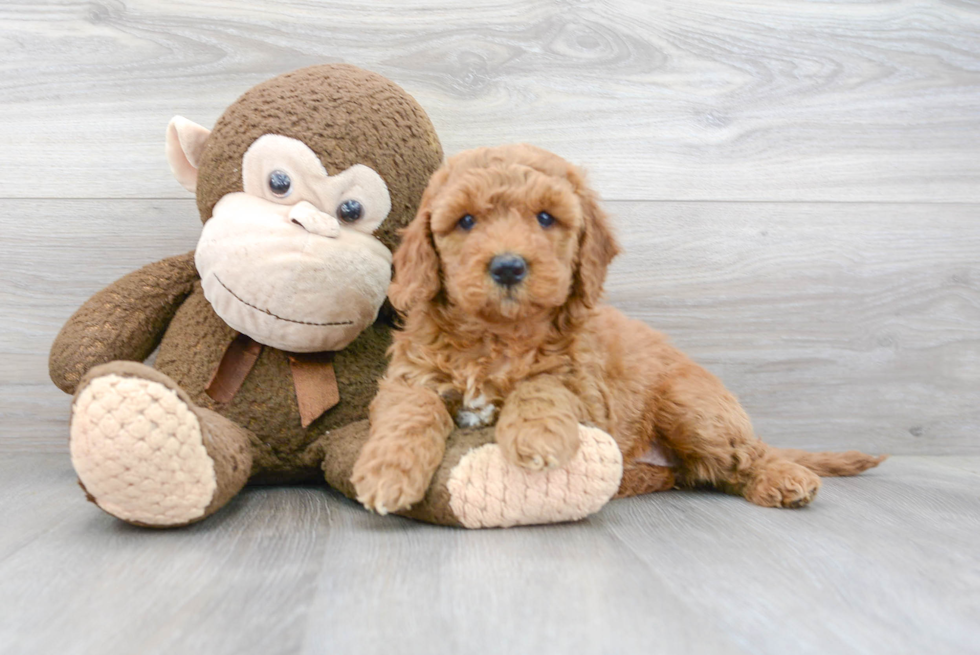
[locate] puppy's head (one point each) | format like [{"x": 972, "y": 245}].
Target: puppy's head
[{"x": 505, "y": 234}]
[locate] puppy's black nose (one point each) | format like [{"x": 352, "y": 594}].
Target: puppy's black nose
[{"x": 508, "y": 269}]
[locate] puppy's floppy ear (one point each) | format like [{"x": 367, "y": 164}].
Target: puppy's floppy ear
[
  {"x": 597, "y": 248},
  {"x": 416, "y": 261}
]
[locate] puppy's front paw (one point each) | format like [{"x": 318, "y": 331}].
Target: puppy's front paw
[
  {"x": 540, "y": 444},
  {"x": 388, "y": 489},
  {"x": 389, "y": 479}
]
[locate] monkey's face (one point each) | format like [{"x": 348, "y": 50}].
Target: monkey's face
[
  {"x": 292, "y": 261},
  {"x": 295, "y": 185}
]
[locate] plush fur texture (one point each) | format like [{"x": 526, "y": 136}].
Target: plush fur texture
[
  {"x": 350, "y": 116},
  {"x": 545, "y": 352},
  {"x": 378, "y": 125}
]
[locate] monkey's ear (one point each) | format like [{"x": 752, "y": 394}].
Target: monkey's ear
[{"x": 185, "y": 144}]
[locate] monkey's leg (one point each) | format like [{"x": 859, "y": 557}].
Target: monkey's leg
[
  {"x": 476, "y": 487},
  {"x": 146, "y": 454}
]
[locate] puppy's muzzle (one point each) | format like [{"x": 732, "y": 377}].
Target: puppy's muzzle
[{"x": 508, "y": 269}]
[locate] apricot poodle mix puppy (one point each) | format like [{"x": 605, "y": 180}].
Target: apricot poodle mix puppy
[{"x": 499, "y": 279}]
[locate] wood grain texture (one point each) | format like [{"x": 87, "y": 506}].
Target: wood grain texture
[
  {"x": 879, "y": 564},
  {"x": 882, "y": 563},
  {"x": 838, "y": 325},
  {"x": 56, "y": 254},
  {"x": 662, "y": 100},
  {"x": 222, "y": 587}
]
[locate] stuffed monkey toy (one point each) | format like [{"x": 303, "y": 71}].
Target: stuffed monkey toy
[{"x": 272, "y": 333}]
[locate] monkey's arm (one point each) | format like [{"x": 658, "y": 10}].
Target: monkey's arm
[{"x": 126, "y": 320}]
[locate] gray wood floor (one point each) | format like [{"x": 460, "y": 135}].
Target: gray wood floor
[
  {"x": 886, "y": 563},
  {"x": 797, "y": 187}
]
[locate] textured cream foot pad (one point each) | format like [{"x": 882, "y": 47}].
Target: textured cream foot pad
[
  {"x": 137, "y": 448},
  {"x": 486, "y": 491}
]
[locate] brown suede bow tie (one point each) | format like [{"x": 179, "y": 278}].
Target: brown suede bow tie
[{"x": 313, "y": 377}]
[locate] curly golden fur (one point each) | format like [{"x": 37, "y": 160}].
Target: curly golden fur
[{"x": 545, "y": 352}]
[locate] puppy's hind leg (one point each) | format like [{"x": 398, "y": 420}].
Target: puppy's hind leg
[
  {"x": 641, "y": 478},
  {"x": 712, "y": 437}
]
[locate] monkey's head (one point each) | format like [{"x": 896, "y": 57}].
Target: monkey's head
[{"x": 303, "y": 185}]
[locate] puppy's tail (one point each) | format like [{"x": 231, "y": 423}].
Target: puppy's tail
[{"x": 833, "y": 464}]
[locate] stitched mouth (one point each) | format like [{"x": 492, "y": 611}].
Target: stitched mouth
[{"x": 276, "y": 316}]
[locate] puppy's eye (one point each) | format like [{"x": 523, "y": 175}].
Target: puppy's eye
[
  {"x": 349, "y": 211},
  {"x": 467, "y": 222},
  {"x": 280, "y": 184},
  {"x": 545, "y": 219}
]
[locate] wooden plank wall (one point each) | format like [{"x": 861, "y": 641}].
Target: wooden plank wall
[{"x": 797, "y": 184}]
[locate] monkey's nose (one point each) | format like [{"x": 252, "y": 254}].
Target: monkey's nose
[
  {"x": 307, "y": 216},
  {"x": 508, "y": 269}
]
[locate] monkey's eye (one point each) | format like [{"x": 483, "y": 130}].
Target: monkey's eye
[
  {"x": 280, "y": 184},
  {"x": 545, "y": 219},
  {"x": 467, "y": 222},
  {"x": 349, "y": 211}
]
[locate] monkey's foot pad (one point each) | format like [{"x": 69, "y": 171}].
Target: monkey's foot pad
[
  {"x": 138, "y": 451},
  {"x": 486, "y": 491}
]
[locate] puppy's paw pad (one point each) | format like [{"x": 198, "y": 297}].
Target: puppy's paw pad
[
  {"x": 539, "y": 449},
  {"x": 784, "y": 484},
  {"x": 539, "y": 463},
  {"x": 801, "y": 501},
  {"x": 385, "y": 488}
]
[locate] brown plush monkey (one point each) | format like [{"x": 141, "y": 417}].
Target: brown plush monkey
[{"x": 272, "y": 334}]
